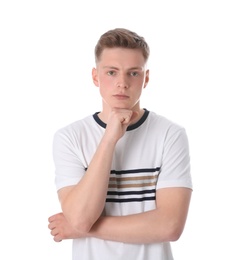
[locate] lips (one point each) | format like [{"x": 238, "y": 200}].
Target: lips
[{"x": 121, "y": 96}]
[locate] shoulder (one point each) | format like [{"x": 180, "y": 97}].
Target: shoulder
[
  {"x": 75, "y": 128},
  {"x": 159, "y": 122}
]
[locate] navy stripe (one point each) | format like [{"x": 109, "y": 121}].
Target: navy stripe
[
  {"x": 136, "y": 171},
  {"x": 133, "y": 171},
  {"x": 130, "y": 192},
  {"x": 131, "y": 200}
]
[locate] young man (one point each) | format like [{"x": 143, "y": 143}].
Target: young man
[{"x": 123, "y": 174}]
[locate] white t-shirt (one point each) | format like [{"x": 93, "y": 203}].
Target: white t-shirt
[{"x": 152, "y": 154}]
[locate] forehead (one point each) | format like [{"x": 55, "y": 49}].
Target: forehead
[{"x": 113, "y": 56}]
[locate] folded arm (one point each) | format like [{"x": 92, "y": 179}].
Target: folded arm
[{"x": 165, "y": 223}]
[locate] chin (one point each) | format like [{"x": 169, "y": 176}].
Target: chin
[{"x": 120, "y": 105}]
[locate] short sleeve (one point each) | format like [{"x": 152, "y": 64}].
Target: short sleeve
[
  {"x": 175, "y": 168},
  {"x": 68, "y": 167}
]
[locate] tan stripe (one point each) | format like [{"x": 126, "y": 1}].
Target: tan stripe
[{"x": 136, "y": 185}]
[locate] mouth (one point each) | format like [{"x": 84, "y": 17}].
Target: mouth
[{"x": 121, "y": 96}]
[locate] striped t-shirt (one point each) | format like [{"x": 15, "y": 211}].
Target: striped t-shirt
[{"x": 152, "y": 154}]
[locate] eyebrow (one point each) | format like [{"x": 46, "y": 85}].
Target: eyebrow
[{"x": 115, "y": 68}]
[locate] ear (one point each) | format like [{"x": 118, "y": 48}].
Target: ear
[
  {"x": 95, "y": 77},
  {"x": 146, "y": 78}
]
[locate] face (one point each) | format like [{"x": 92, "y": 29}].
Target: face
[{"x": 121, "y": 76}]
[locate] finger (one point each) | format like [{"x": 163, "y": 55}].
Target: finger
[
  {"x": 57, "y": 239},
  {"x": 126, "y": 118},
  {"x": 54, "y": 232},
  {"x": 53, "y": 217},
  {"x": 56, "y": 235},
  {"x": 51, "y": 225}
]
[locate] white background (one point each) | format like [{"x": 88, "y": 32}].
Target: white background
[{"x": 201, "y": 69}]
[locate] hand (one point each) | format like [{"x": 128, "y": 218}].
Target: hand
[
  {"x": 61, "y": 229},
  {"x": 118, "y": 121}
]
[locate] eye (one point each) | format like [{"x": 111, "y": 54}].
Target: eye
[
  {"x": 134, "y": 73},
  {"x": 111, "y": 72}
]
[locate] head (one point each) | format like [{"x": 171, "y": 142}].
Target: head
[
  {"x": 121, "y": 74},
  {"x": 121, "y": 38}
]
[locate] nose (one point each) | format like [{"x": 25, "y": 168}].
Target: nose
[{"x": 122, "y": 82}]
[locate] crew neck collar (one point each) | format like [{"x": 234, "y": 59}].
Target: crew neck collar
[{"x": 130, "y": 127}]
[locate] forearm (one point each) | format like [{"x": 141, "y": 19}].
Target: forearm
[
  {"x": 148, "y": 227},
  {"x": 165, "y": 223},
  {"x": 83, "y": 205}
]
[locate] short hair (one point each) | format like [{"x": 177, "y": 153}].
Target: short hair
[{"x": 121, "y": 38}]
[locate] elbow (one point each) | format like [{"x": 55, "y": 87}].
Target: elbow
[
  {"x": 77, "y": 221},
  {"x": 82, "y": 226},
  {"x": 172, "y": 233},
  {"x": 175, "y": 235}
]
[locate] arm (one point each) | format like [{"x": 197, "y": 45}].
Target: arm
[
  {"x": 78, "y": 208},
  {"x": 81, "y": 211},
  {"x": 165, "y": 223}
]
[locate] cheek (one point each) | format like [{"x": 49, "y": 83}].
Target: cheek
[
  {"x": 105, "y": 85},
  {"x": 106, "y": 81}
]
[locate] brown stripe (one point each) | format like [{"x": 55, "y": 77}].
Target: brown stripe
[{"x": 135, "y": 185}]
